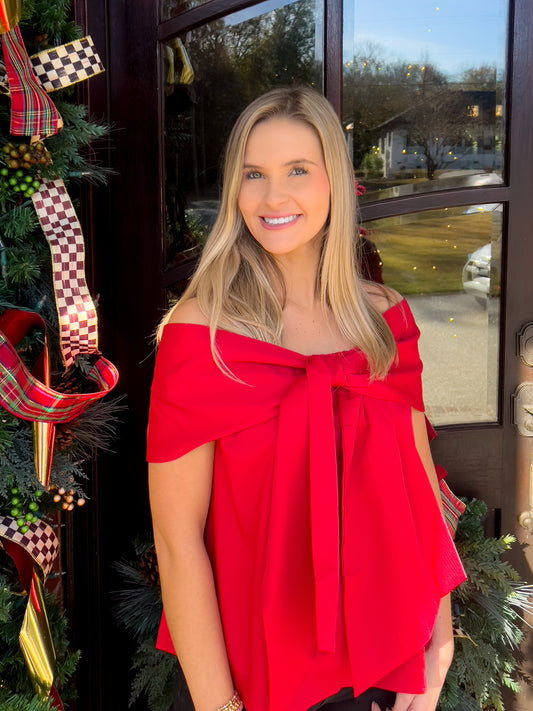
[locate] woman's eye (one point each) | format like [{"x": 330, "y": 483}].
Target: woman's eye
[
  {"x": 253, "y": 175},
  {"x": 298, "y": 171}
]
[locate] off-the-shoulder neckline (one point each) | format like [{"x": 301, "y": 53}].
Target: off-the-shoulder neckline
[{"x": 225, "y": 333}]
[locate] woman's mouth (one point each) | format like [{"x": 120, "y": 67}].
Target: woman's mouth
[{"x": 276, "y": 221}]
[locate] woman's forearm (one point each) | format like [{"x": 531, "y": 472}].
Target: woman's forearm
[{"x": 193, "y": 617}]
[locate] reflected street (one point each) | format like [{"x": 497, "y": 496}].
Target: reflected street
[{"x": 459, "y": 349}]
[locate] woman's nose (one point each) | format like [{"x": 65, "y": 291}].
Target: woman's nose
[{"x": 276, "y": 192}]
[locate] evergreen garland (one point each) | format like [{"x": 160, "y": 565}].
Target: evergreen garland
[
  {"x": 138, "y": 606},
  {"x": 26, "y": 283},
  {"x": 487, "y": 624}
]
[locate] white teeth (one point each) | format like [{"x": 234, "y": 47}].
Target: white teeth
[{"x": 279, "y": 220}]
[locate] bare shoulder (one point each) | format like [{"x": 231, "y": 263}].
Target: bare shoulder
[
  {"x": 383, "y": 297},
  {"x": 187, "y": 312}
]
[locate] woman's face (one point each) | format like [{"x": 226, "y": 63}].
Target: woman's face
[{"x": 284, "y": 195}]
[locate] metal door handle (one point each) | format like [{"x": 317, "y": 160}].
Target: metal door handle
[
  {"x": 526, "y": 517},
  {"x": 523, "y": 420},
  {"x": 523, "y": 409}
]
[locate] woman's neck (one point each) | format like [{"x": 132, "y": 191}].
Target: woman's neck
[
  {"x": 307, "y": 327},
  {"x": 299, "y": 274}
]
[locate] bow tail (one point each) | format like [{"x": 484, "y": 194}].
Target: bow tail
[
  {"x": 324, "y": 503},
  {"x": 287, "y": 606}
]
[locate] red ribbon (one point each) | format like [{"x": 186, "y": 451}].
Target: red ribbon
[{"x": 27, "y": 397}]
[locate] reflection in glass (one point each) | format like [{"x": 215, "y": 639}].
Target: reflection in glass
[
  {"x": 170, "y": 8},
  {"x": 447, "y": 263},
  {"x": 424, "y": 94},
  {"x": 210, "y": 75}
]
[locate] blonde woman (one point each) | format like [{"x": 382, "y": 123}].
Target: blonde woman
[{"x": 303, "y": 555}]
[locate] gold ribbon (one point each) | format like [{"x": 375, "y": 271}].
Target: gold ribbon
[
  {"x": 9, "y": 15},
  {"x": 44, "y": 434},
  {"x": 35, "y": 640},
  {"x": 175, "y": 52}
]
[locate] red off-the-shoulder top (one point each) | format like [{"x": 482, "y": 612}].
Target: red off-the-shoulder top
[{"x": 329, "y": 551}]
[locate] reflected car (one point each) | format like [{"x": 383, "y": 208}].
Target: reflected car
[{"x": 476, "y": 274}]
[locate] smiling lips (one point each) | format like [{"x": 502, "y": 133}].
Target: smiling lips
[{"x": 279, "y": 221}]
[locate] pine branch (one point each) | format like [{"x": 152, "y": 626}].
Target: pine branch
[
  {"x": 8, "y": 427},
  {"x": 155, "y": 677},
  {"x": 18, "y": 223},
  {"x": 487, "y": 607},
  {"x": 69, "y": 148},
  {"x": 138, "y": 606},
  {"x": 19, "y": 702},
  {"x": 96, "y": 427}
]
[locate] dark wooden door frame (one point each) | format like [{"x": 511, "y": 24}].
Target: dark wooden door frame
[{"x": 123, "y": 235}]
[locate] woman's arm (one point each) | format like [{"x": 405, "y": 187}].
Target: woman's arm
[
  {"x": 180, "y": 493},
  {"x": 439, "y": 651}
]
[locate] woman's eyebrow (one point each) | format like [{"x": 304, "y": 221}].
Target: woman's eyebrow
[
  {"x": 295, "y": 161},
  {"x": 299, "y": 161}
]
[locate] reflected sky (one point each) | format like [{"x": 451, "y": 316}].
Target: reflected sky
[{"x": 453, "y": 34}]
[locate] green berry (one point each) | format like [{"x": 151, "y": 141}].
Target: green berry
[
  {"x": 21, "y": 522},
  {"x": 16, "y": 188},
  {"x": 15, "y": 512},
  {"x": 33, "y": 506},
  {"x": 28, "y": 179},
  {"x": 29, "y": 192},
  {"x": 19, "y": 173},
  {"x": 23, "y": 529},
  {"x": 15, "y": 490},
  {"x": 36, "y": 184},
  {"x": 28, "y": 516},
  {"x": 12, "y": 181},
  {"x": 4, "y": 172},
  {"x": 34, "y": 518},
  {"x": 38, "y": 494},
  {"x": 15, "y": 501}
]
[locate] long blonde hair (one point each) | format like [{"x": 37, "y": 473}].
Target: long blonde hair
[{"x": 234, "y": 280}]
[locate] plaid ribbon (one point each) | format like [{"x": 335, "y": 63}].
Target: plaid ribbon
[
  {"x": 77, "y": 316},
  {"x": 68, "y": 64},
  {"x": 24, "y": 396},
  {"x": 32, "y": 111},
  {"x": 452, "y": 507}
]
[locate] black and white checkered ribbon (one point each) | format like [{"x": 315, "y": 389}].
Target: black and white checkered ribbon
[
  {"x": 39, "y": 541},
  {"x": 68, "y": 64},
  {"x": 77, "y": 316}
]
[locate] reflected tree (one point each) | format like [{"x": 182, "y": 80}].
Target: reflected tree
[
  {"x": 438, "y": 124},
  {"x": 436, "y": 116},
  {"x": 233, "y": 64},
  {"x": 376, "y": 92}
]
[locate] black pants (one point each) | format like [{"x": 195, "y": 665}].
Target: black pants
[{"x": 344, "y": 701}]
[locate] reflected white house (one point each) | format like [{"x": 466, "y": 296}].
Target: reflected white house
[{"x": 463, "y": 133}]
